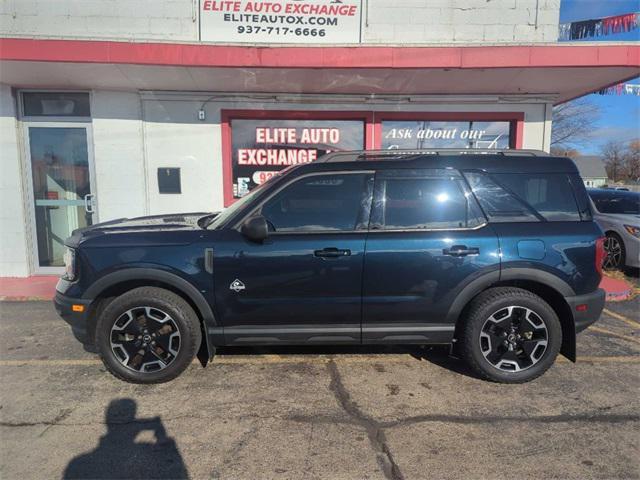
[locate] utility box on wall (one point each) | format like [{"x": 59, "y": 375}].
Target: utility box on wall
[{"x": 169, "y": 180}]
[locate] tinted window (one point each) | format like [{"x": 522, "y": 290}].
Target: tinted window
[
  {"x": 497, "y": 203},
  {"x": 437, "y": 202},
  {"x": 617, "y": 202},
  {"x": 56, "y": 104},
  {"x": 550, "y": 194},
  {"x": 318, "y": 203},
  {"x": 524, "y": 197},
  {"x": 581, "y": 196}
]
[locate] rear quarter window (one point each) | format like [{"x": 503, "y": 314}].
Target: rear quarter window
[{"x": 525, "y": 197}]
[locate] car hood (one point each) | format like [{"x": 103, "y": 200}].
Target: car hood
[{"x": 149, "y": 224}]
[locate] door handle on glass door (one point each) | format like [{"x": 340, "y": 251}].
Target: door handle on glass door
[{"x": 88, "y": 203}]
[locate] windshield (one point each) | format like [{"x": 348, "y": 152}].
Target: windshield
[
  {"x": 228, "y": 212},
  {"x": 625, "y": 203}
]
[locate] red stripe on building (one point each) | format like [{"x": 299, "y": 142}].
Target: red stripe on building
[{"x": 189, "y": 55}]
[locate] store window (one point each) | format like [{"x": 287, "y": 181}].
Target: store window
[
  {"x": 56, "y": 104},
  {"x": 425, "y": 134},
  {"x": 262, "y": 147}
]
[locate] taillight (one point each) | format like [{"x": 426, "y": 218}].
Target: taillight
[{"x": 601, "y": 254}]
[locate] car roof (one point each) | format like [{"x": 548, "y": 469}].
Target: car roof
[{"x": 514, "y": 161}]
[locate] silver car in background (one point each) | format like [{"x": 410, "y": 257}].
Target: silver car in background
[{"x": 618, "y": 214}]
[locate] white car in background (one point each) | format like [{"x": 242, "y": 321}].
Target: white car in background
[{"x": 618, "y": 214}]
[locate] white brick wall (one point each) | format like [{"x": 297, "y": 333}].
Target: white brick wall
[
  {"x": 170, "y": 20},
  {"x": 461, "y": 21},
  {"x": 13, "y": 228},
  {"x": 118, "y": 151},
  {"x": 384, "y": 21}
]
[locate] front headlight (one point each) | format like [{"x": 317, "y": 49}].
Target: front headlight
[
  {"x": 635, "y": 231},
  {"x": 69, "y": 258}
]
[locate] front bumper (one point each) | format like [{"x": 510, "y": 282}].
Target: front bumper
[
  {"x": 586, "y": 309},
  {"x": 79, "y": 321},
  {"x": 632, "y": 246}
]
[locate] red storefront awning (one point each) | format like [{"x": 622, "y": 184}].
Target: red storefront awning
[{"x": 563, "y": 70}]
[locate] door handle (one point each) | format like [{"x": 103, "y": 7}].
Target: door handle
[
  {"x": 332, "y": 252},
  {"x": 461, "y": 251},
  {"x": 88, "y": 203}
]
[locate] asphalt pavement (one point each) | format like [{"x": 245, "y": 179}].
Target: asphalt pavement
[{"x": 316, "y": 413}]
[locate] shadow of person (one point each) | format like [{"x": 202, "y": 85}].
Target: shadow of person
[{"x": 118, "y": 454}]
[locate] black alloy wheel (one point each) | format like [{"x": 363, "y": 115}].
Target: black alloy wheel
[
  {"x": 148, "y": 335},
  {"x": 615, "y": 252},
  {"x": 513, "y": 339},
  {"x": 509, "y": 335},
  {"x": 145, "y": 339}
]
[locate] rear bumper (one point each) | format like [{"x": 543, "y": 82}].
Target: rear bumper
[
  {"x": 585, "y": 316},
  {"x": 77, "y": 320}
]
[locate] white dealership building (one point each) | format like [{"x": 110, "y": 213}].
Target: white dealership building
[{"x": 121, "y": 108}]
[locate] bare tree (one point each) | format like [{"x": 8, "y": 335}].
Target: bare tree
[
  {"x": 573, "y": 122},
  {"x": 632, "y": 161},
  {"x": 614, "y": 156},
  {"x": 565, "y": 152}
]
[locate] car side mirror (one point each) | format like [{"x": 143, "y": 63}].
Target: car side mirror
[{"x": 255, "y": 229}]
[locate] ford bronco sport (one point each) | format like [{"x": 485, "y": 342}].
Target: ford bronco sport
[{"x": 495, "y": 253}]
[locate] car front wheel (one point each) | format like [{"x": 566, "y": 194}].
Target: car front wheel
[
  {"x": 148, "y": 335},
  {"x": 615, "y": 252},
  {"x": 510, "y": 335}
]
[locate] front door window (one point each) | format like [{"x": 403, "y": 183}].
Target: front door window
[{"x": 59, "y": 158}]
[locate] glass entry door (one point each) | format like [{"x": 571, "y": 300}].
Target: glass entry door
[{"x": 61, "y": 172}]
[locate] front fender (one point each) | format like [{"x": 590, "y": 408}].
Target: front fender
[{"x": 142, "y": 274}]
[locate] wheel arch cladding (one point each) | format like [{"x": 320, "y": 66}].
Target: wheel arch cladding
[
  {"x": 551, "y": 290},
  {"x": 116, "y": 283}
]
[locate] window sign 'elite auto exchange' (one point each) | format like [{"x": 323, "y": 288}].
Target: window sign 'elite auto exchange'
[
  {"x": 261, "y": 148},
  {"x": 294, "y": 21}
]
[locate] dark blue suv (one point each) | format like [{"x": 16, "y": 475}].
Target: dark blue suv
[{"x": 495, "y": 253}]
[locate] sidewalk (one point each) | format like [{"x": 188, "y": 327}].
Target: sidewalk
[
  {"x": 42, "y": 287},
  {"x": 38, "y": 287}
]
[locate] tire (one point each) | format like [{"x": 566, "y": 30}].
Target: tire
[
  {"x": 148, "y": 335},
  {"x": 616, "y": 253},
  {"x": 487, "y": 327}
]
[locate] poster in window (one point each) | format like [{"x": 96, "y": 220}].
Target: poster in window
[
  {"x": 418, "y": 134},
  {"x": 261, "y": 148}
]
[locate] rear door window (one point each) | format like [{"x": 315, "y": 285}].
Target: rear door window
[{"x": 423, "y": 200}]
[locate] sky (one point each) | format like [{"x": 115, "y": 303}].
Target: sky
[{"x": 620, "y": 119}]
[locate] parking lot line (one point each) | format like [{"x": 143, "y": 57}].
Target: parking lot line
[
  {"x": 279, "y": 359},
  {"x": 622, "y": 318},
  {"x": 614, "y": 334}
]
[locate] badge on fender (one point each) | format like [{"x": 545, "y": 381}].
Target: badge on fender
[{"x": 236, "y": 286}]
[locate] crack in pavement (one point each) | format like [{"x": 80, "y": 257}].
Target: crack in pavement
[
  {"x": 233, "y": 453},
  {"x": 374, "y": 430},
  {"x": 57, "y": 419}
]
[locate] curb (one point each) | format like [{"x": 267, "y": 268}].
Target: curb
[
  {"x": 617, "y": 289},
  {"x": 26, "y": 298}
]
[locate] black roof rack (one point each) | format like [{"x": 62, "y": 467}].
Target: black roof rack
[{"x": 398, "y": 154}]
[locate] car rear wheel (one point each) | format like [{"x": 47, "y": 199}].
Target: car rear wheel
[
  {"x": 510, "y": 335},
  {"x": 148, "y": 335},
  {"x": 615, "y": 252}
]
